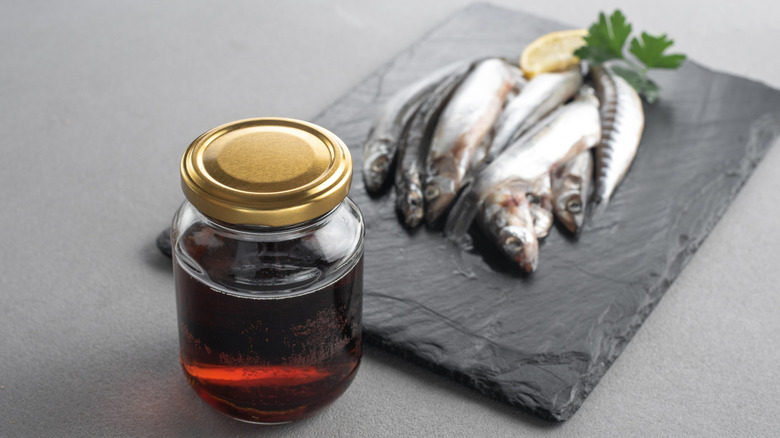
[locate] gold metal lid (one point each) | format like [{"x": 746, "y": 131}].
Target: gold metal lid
[{"x": 266, "y": 171}]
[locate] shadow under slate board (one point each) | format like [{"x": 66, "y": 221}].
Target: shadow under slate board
[{"x": 542, "y": 342}]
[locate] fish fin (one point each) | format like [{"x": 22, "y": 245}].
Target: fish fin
[
  {"x": 460, "y": 218},
  {"x": 482, "y": 152}
]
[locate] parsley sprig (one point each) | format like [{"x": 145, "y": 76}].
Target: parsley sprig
[{"x": 605, "y": 41}]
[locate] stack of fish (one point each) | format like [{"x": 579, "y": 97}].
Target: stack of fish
[{"x": 476, "y": 141}]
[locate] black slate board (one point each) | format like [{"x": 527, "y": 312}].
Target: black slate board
[{"x": 542, "y": 342}]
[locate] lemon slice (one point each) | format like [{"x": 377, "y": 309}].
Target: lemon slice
[{"x": 552, "y": 52}]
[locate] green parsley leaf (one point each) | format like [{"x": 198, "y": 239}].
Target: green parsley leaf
[
  {"x": 651, "y": 51},
  {"x": 605, "y": 39}
]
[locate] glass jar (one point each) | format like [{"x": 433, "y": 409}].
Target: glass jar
[{"x": 268, "y": 261}]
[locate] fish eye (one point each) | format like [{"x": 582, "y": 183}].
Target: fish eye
[
  {"x": 379, "y": 165},
  {"x": 431, "y": 192},
  {"x": 512, "y": 244},
  {"x": 574, "y": 206}
]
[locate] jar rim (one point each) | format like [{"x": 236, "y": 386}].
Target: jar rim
[{"x": 266, "y": 171}]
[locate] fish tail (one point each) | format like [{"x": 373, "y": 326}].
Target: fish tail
[{"x": 460, "y": 218}]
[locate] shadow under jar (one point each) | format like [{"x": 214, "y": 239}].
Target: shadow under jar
[{"x": 268, "y": 261}]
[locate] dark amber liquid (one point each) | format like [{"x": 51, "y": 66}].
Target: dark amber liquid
[{"x": 270, "y": 360}]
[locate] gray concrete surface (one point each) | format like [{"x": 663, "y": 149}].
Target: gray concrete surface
[{"x": 99, "y": 99}]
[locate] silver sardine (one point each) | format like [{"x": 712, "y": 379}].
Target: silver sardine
[
  {"x": 414, "y": 147},
  {"x": 382, "y": 143},
  {"x": 464, "y": 127}
]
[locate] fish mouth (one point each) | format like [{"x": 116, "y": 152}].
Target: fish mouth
[
  {"x": 411, "y": 205},
  {"x": 375, "y": 171},
  {"x": 521, "y": 245}
]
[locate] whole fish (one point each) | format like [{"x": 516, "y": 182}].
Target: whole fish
[
  {"x": 462, "y": 129},
  {"x": 540, "y": 96},
  {"x": 571, "y": 183},
  {"x": 484, "y": 153},
  {"x": 382, "y": 142},
  {"x": 414, "y": 146},
  {"x": 507, "y": 186},
  {"x": 622, "y": 122}
]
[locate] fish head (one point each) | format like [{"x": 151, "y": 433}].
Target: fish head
[
  {"x": 506, "y": 214},
  {"x": 438, "y": 193},
  {"x": 569, "y": 202},
  {"x": 376, "y": 165},
  {"x": 571, "y": 185},
  {"x": 410, "y": 203},
  {"x": 570, "y": 210}
]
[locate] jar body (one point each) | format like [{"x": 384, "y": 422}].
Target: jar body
[{"x": 270, "y": 318}]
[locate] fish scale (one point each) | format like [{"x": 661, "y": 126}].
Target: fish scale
[
  {"x": 622, "y": 123},
  {"x": 540, "y": 96}
]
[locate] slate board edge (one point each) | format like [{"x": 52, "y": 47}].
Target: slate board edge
[
  {"x": 479, "y": 385},
  {"x": 678, "y": 262}
]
